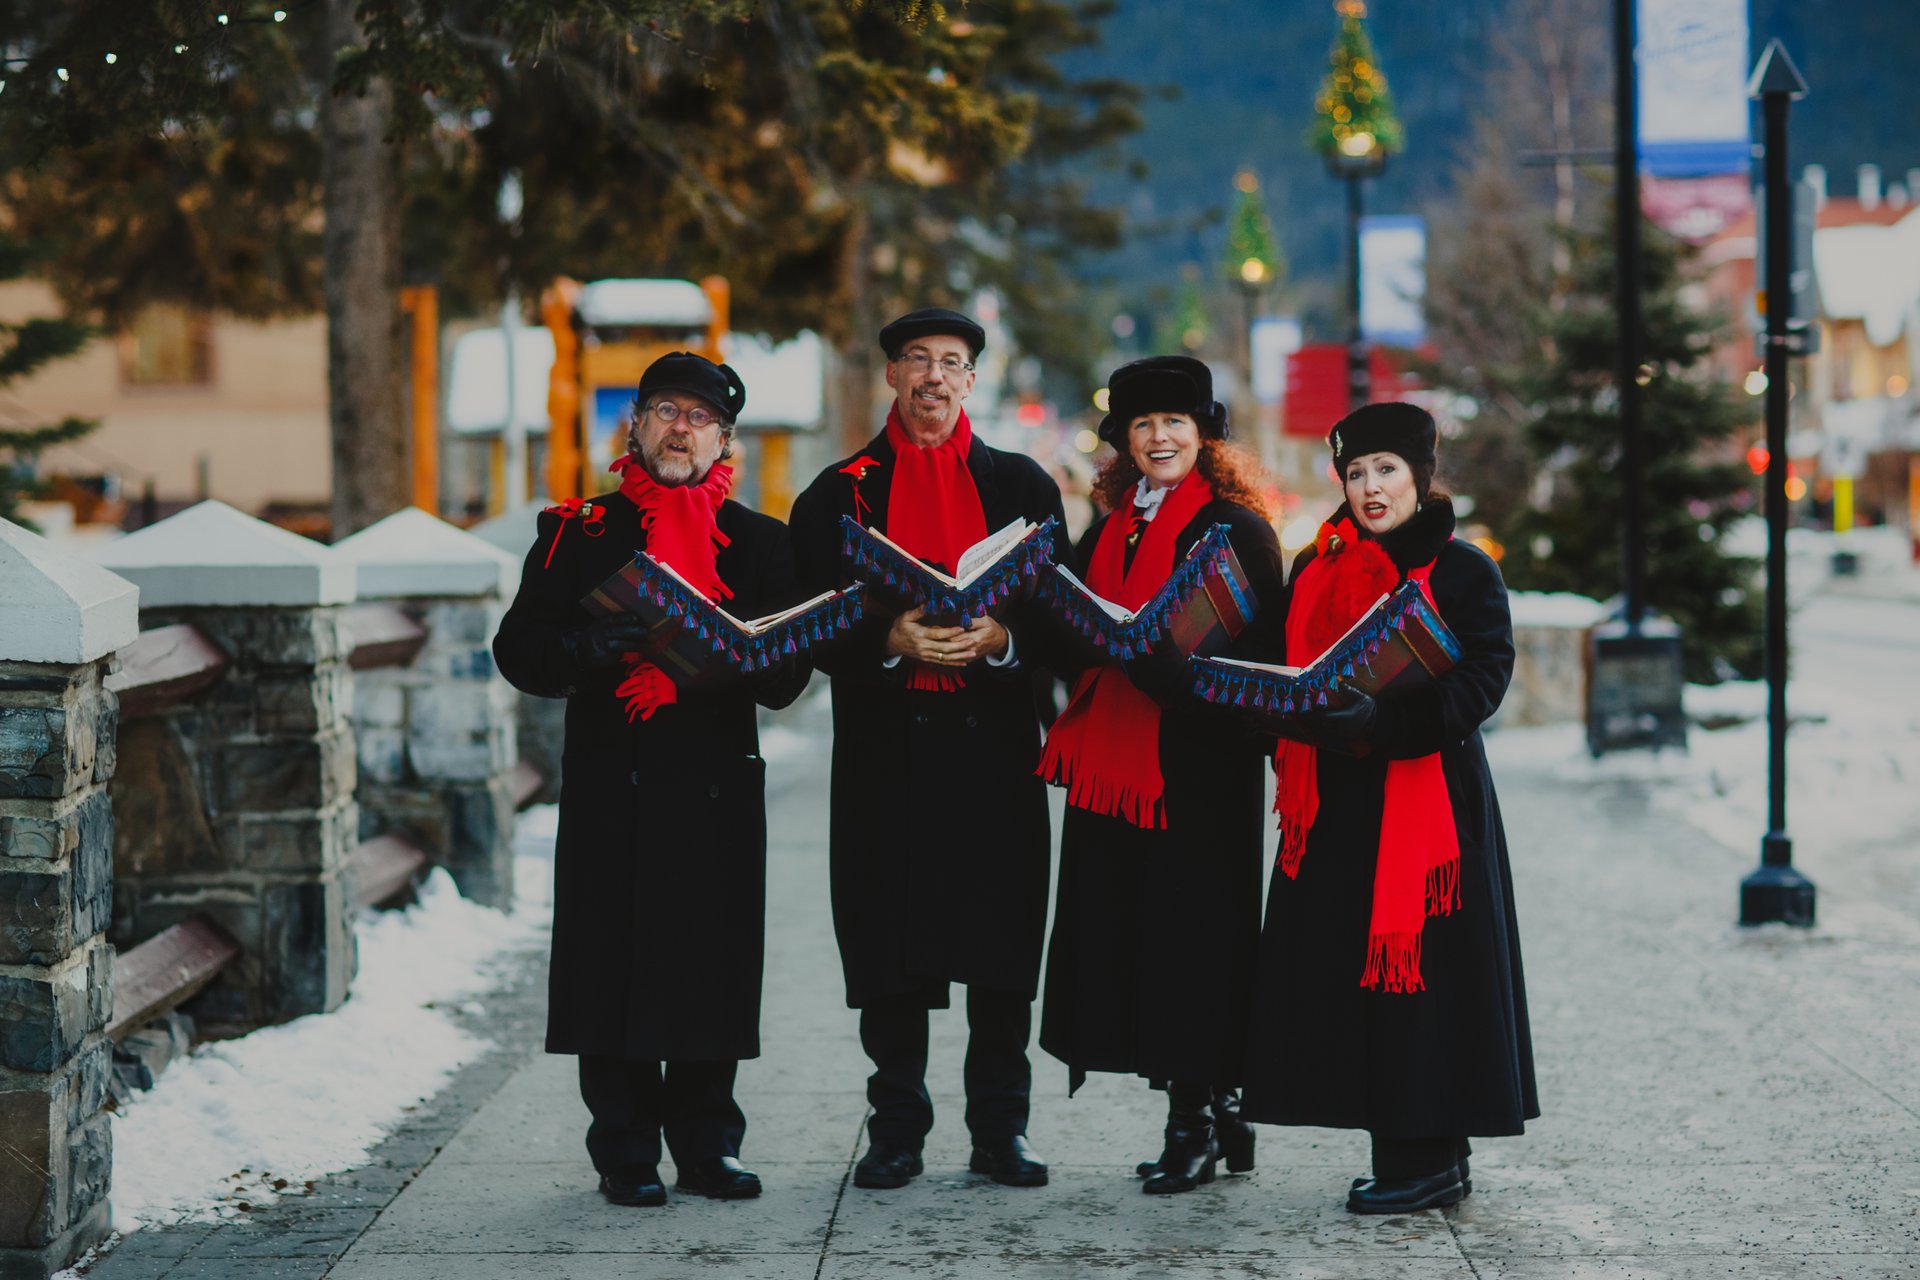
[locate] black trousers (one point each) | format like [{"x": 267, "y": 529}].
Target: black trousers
[
  {"x": 1396, "y": 1158},
  {"x": 998, "y": 1077},
  {"x": 632, "y": 1102}
]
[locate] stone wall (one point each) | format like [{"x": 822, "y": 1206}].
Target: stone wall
[
  {"x": 240, "y": 804},
  {"x": 57, "y": 752}
]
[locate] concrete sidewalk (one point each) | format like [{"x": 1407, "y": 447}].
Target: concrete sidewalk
[{"x": 1718, "y": 1103}]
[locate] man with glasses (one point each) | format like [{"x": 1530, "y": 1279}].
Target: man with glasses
[
  {"x": 939, "y": 833},
  {"x": 660, "y": 869}
]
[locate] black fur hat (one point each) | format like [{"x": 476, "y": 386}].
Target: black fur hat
[
  {"x": 1396, "y": 427},
  {"x": 1162, "y": 384},
  {"x": 695, "y": 375}
]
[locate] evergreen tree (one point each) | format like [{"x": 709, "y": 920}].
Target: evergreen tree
[
  {"x": 1694, "y": 484},
  {"x": 24, "y": 347},
  {"x": 1252, "y": 260},
  {"x": 1354, "y": 114}
]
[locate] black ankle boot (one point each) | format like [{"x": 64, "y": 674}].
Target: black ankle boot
[
  {"x": 1234, "y": 1135},
  {"x": 1191, "y": 1150}
]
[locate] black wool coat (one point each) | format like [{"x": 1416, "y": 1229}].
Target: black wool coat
[
  {"x": 659, "y": 897},
  {"x": 939, "y": 837},
  {"x": 1457, "y": 1058},
  {"x": 1154, "y": 931}
]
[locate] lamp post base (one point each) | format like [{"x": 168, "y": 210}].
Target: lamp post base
[{"x": 1774, "y": 893}]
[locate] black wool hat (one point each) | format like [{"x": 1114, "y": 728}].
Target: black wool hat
[
  {"x": 1161, "y": 384},
  {"x": 695, "y": 375},
  {"x": 1404, "y": 429},
  {"x": 927, "y": 322}
]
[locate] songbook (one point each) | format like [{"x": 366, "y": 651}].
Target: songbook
[
  {"x": 1200, "y": 609},
  {"x": 1001, "y": 568},
  {"x": 693, "y": 640},
  {"x": 1400, "y": 639}
]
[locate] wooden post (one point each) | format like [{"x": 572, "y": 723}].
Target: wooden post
[
  {"x": 565, "y": 430},
  {"x": 422, "y": 303}
]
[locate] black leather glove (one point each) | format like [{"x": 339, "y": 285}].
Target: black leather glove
[
  {"x": 1355, "y": 722},
  {"x": 601, "y": 644}
]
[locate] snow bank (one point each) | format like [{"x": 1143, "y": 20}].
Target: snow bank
[
  {"x": 240, "y": 1122},
  {"x": 1554, "y": 609}
]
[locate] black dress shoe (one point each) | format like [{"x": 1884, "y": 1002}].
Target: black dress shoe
[
  {"x": 718, "y": 1178},
  {"x": 1406, "y": 1195},
  {"x": 642, "y": 1191},
  {"x": 887, "y": 1168},
  {"x": 1011, "y": 1162}
]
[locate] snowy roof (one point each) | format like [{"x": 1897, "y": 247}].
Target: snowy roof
[
  {"x": 211, "y": 554},
  {"x": 412, "y": 553},
  {"x": 674, "y": 304},
  {"x": 786, "y": 381},
  {"x": 60, "y": 608},
  {"x": 1870, "y": 273},
  {"x": 477, "y": 379},
  {"x": 512, "y": 531}
]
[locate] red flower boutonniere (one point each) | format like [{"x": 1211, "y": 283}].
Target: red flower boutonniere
[
  {"x": 592, "y": 519},
  {"x": 858, "y": 469}
]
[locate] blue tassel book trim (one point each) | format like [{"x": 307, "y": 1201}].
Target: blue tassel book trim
[
  {"x": 911, "y": 584},
  {"x": 1122, "y": 641}
]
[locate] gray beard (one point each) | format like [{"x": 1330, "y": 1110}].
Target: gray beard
[{"x": 668, "y": 469}]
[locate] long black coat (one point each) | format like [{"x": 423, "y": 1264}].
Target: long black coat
[
  {"x": 939, "y": 835},
  {"x": 1455, "y": 1059},
  {"x": 1155, "y": 932},
  {"x": 659, "y": 897}
]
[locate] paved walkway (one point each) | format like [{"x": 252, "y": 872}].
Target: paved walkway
[{"x": 1718, "y": 1103}]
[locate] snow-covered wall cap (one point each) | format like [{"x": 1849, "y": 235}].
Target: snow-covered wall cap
[
  {"x": 666, "y": 304},
  {"x": 1554, "y": 609},
  {"x": 60, "y": 607},
  {"x": 412, "y": 553},
  {"x": 211, "y": 555}
]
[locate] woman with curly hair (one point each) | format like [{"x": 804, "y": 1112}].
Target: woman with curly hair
[{"x": 1157, "y": 920}]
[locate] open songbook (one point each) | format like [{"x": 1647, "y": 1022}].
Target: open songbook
[
  {"x": 1202, "y": 607},
  {"x": 691, "y": 638},
  {"x": 1399, "y": 639},
  {"x": 999, "y": 568}
]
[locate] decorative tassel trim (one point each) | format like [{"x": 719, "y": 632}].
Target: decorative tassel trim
[
  {"x": 747, "y": 653},
  {"x": 1393, "y": 964},
  {"x": 1012, "y": 577},
  {"x": 1124, "y": 641},
  {"x": 1443, "y": 889},
  {"x": 1098, "y": 795}
]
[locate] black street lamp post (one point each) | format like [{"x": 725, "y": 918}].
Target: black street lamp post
[
  {"x": 1358, "y": 159},
  {"x": 1775, "y": 892}
]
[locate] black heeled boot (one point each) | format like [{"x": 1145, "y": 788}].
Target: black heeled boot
[
  {"x": 1234, "y": 1134},
  {"x": 1191, "y": 1150}
]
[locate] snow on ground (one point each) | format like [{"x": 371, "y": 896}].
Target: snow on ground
[{"x": 240, "y": 1122}]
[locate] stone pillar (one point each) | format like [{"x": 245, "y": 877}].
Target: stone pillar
[
  {"x": 61, "y": 622},
  {"x": 436, "y": 737},
  {"x": 540, "y": 724},
  {"x": 239, "y": 802}
]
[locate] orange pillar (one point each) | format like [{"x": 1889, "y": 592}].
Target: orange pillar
[
  {"x": 422, "y": 303},
  {"x": 565, "y": 431},
  {"x": 719, "y": 297}
]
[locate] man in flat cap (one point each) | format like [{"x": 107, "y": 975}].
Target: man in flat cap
[
  {"x": 660, "y": 870},
  {"x": 940, "y": 834}
]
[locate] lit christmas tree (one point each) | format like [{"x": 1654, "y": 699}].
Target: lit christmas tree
[
  {"x": 1353, "y": 116},
  {"x": 1252, "y": 258}
]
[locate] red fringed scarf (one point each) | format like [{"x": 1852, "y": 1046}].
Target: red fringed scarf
[
  {"x": 679, "y": 523},
  {"x": 1416, "y": 870},
  {"x": 1105, "y": 747},
  {"x": 934, "y": 511}
]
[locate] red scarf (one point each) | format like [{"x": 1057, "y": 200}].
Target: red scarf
[
  {"x": 1416, "y": 870},
  {"x": 1105, "y": 747},
  {"x": 934, "y": 511},
  {"x": 679, "y": 523}
]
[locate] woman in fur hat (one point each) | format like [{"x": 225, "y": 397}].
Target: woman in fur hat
[
  {"x": 1389, "y": 994},
  {"x": 1157, "y": 917}
]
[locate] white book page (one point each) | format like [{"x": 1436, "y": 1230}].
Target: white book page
[
  {"x": 1295, "y": 671},
  {"x": 1114, "y": 611},
  {"x": 982, "y": 554},
  {"x": 1258, "y": 666}
]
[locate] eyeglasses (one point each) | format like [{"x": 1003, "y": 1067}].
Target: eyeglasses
[
  {"x": 697, "y": 418},
  {"x": 920, "y": 362}
]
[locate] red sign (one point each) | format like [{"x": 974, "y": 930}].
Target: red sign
[{"x": 1317, "y": 387}]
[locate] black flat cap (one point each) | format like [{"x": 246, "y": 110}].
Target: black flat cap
[
  {"x": 927, "y": 322},
  {"x": 695, "y": 375},
  {"x": 1395, "y": 427},
  {"x": 1161, "y": 384}
]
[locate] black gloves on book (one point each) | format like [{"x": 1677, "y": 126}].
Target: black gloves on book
[
  {"x": 1355, "y": 723},
  {"x": 601, "y": 644}
]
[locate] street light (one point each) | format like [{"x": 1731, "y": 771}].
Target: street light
[{"x": 1355, "y": 130}]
